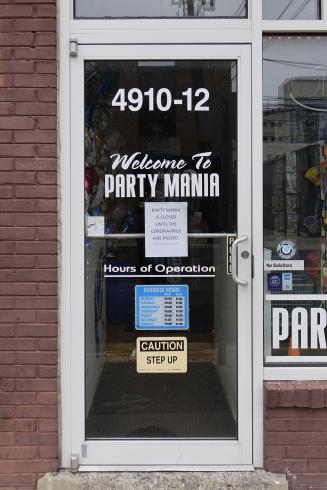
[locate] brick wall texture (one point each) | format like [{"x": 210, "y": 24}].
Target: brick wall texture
[
  {"x": 28, "y": 242},
  {"x": 295, "y": 428}
]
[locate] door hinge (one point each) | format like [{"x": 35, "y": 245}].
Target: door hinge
[
  {"x": 73, "y": 48},
  {"x": 74, "y": 462},
  {"x": 84, "y": 450},
  {"x": 252, "y": 266}
]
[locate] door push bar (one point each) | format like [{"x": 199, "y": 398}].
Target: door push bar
[{"x": 241, "y": 282}]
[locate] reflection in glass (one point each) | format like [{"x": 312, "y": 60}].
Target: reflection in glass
[
  {"x": 291, "y": 9},
  {"x": 160, "y": 8},
  {"x": 295, "y": 193},
  {"x": 121, "y": 403}
]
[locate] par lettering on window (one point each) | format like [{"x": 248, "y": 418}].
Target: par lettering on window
[{"x": 306, "y": 328}]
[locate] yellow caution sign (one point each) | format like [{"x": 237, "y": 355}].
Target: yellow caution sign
[{"x": 161, "y": 355}]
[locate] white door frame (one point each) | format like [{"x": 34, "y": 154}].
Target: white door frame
[{"x": 177, "y": 454}]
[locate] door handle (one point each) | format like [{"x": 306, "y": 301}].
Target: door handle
[{"x": 241, "y": 282}]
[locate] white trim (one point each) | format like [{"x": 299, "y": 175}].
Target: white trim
[
  {"x": 132, "y": 52},
  {"x": 293, "y": 26},
  {"x": 296, "y": 297},
  {"x": 77, "y": 299},
  {"x": 193, "y": 468},
  {"x": 156, "y": 35},
  {"x": 167, "y": 24},
  {"x": 65, "y": 406},
  {"x": 161, "y": 31},
  {"x": 296, "y": 359},
  {"x": 251, "y": 8},
  {"x": 257, "y": 235},
  {"x": 323, "y": 9},
  {"x": 168, "y": 452},
  {"x": 181, "y": 452},
  {"x": 244, "y": 226},
  {"x": 295, "y": 373}
]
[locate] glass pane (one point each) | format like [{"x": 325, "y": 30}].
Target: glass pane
[
  {"x": 295, "y": 196},
  {"x": 160, "y": 132},
  {"x": 160, "y": 8},
  {"x": 291, "y": 9}
]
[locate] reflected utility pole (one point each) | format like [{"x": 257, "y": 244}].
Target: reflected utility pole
[
  {"x": 195, "y": 8},
  {"x": 190, "y": 8}
]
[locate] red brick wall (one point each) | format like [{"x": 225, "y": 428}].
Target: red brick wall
[
  {"x": 295, "y": 427},
  {"x": 28, "y": 248}
]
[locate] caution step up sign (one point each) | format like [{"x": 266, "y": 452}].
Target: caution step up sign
[{"x": 161, "y": 355}]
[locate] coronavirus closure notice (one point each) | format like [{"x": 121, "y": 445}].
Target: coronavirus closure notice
[{"x": 161, "y": 355}]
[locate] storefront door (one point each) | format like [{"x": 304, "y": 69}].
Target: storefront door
[{"x": 161, "y": 256}]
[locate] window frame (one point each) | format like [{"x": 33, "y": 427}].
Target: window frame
[
  {"x": 303, "y": 371},
  {"x": 294, "y": 364}
]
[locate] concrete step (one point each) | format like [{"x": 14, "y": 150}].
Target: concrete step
[{"x": 252, "y": 480}]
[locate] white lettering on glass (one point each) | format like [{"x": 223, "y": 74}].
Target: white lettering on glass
[
  {"x": 175, "y": 184},
  {"x": 305, "y": 327},
  {"x": 134, "y": 99}
]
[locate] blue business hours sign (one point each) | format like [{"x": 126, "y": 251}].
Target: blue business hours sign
[{"x": 161, "y": 307}]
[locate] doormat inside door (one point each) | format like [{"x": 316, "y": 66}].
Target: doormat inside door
[{"x": 191, "y": 405}]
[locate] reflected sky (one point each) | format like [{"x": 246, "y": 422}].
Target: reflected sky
[
  {"x": 160, "y": 8},
  {"x": 295, "y": 58},
  {"x": 291, "y": 9}
]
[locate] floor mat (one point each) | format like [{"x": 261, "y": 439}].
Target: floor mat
[{"x": 128, "y": 404}]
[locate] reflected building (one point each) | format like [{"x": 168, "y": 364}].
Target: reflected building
[
  {"x": 294, "y": 134},
  {"x": 296, "y": 118}
]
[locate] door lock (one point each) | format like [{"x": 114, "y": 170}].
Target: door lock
[{"x": 245, "y": 255}]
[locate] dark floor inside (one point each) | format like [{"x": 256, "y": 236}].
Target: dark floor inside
[{"x": 191, "y": 405}]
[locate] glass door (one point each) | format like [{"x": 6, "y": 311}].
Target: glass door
[{"x": 161, "y": 255}]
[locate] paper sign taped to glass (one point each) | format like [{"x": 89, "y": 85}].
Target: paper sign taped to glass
[
  {"x": 165, "y": 229},
  {"x": 95, "y": 226}
]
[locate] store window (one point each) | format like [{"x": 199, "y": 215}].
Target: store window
[
  {"x": 291, "y": 9},
  {"x": 295, "y": 197},
  {"x": 160, "y": 8}
]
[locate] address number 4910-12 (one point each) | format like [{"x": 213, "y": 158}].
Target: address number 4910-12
[{"x": 162, "y": 100}]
